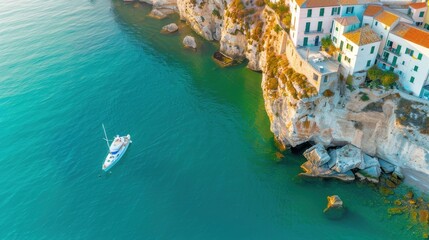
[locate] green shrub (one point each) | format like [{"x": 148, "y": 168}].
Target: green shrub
[
  {"x": 364, "y": 97},
  {"x": 216, "y": 13},
  {"x": 374, "y": 73},
  {"x": 277, "y": 28},
  {"x": 389, "y": 78}
]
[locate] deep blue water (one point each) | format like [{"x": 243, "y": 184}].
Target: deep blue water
[{"x": 202, "y": 164}]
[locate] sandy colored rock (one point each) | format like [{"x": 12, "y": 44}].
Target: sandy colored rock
[
  {"x": 189, "y": 42},
  {"x": 348, "y": 157},
  {"x": 155, "y": 13},
  {"x": 170, "y": 28},
  {"x": 334, "y": 208},
  {"x": 317, "y": 154}
]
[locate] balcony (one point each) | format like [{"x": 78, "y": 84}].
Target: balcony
[
  {"x": 392, "y": 50},
  {"x": 313, "y": 32},
  {"x": 386, "y": 61}
]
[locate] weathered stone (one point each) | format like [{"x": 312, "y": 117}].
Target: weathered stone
[
  {"x": 398, "y": 173},
  {"x": 189, "y": 42},
  {"x": 170, "y": 28},
  {"x": 348, "y": 157},
  {"x": 323, "y": 171},
  {"x": 317, "y": 155},
  {"x": 368, "y": 162},
  {"x": 155, "y": 13},
  {"x": 335, "y": 208},
  {"x": 371, "y": 174},
  {"x": 386, "y": 166}
]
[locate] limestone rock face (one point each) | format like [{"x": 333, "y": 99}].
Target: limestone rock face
[
  {"x": 386, "y": 166},
  {"x": 170, "y": 28},
  {"x": 189, "y": 42},
  {"x": 348, "y": 157},
  {"x": 317, "y": 155},
  {"x": 370, "y": 169}
]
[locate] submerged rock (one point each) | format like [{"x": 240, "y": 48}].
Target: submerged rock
[
  {"x": 155, "y": 13},
  {"x": 189, "y": 42},
  {"x": 317, "y": 155},
  {"x": 170, "y": 28},
  {"x": 347, "y": 158},
  {"x": 335, "y": 208}
]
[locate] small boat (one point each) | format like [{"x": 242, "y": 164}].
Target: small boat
[{"x": 116, "y": 150}]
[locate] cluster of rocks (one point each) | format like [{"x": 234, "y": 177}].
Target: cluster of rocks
[{"x": 346, "y": 163}]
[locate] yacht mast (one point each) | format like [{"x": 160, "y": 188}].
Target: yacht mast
[{"x": 105, "y": 135}]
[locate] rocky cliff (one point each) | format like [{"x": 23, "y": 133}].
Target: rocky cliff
[{"x": 385, "y": 124}]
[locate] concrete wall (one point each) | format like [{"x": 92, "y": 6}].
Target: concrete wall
[{"x": 299, "y": 64}]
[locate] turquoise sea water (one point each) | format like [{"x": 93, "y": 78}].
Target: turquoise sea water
[{"x": 202, "y": 164}]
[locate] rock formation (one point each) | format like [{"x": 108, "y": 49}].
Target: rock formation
[
  {"x": 390, "y": 125},
  {"x": 189, "y": 42},
  {"x": 170, "y": 28},
  {"x": 335, "y": 208}
]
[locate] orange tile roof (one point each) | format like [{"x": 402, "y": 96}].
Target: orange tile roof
[
  {"x": 387, "y": 18},
  {"x": 413, "y": 34},
  {"x": 418, "y": 5},
  {"x": 330, "y": 3},
  {"x": 347, "y": 21},
  {"x": 318, "y": 3},
  {"x": 363, "y": 36},
  {"x": 373, "y": 10}
]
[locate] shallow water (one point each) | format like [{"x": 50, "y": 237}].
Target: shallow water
[{"x": 202, "y": 164}]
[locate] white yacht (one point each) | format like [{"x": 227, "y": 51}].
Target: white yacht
[{"x": 116, "y": 150}]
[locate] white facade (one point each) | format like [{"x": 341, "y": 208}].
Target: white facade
[
  {"x": 409, "y": 60},
  {"x": 417, "y": 14},
  {"x": 354, "y": 57},
  {"x": 310, "y": 25}
]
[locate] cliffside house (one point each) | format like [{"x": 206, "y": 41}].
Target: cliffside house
[
  {"x": 407, "y": 54},
  {"x": 417, "y": 11},
  {"x": 312, "y": 20},
  {"x": 358, "y": 47}
]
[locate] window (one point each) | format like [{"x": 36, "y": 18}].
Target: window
[
  {"x": 398, "y": 49},
  {"x": 325, "y": 79},
  {"x": 412, "y": 80},
  {"x": 319, "y": 26},
  {"x": 381, "y": 36},
  {"x": 309, "y": 12},
  {"x": 368, "y": 63},
  {"x": 421, "y": 14},
  {"x": 372, "y": 49},
  {"x": 338, "y": 10},
  {"x": 349, "y": 47},
  {"x": 322, "y": 12},
  {"x": 315, "y": 77},
  {"x": 336, "y": 29},
  {"x": 307, "y": 27},
  {"x": 376, "y": 23},
  {"x": 335, "y": 11},
  {"x": 347, "y": 59},
  {"x": 416, "y": 68},
  {"x": 403, "y": 62},
  {"x": 407, "y": 51},
  {"x": 334, "y": 39},
  {"x": 305, "y": 41},
  {"x": 411, "y": 53},
  {"x": 419, "y": 57},
  {"x": 349, "y": 10},
  {"x": 426, "y": 26}
]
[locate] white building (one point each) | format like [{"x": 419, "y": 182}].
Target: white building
[
  {"x": 383, "y": 20},
  {"x": 312, "y": 20},
  {"x": 358, "y": 47},
  {"x": 417, "y": 11},
  {"x": 407, "y": 54}
]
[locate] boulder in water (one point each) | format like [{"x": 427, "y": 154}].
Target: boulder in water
[
  {"x": 369, "y": 169},
  {"x": 155, "y": 13},
  {"x": 189, "y": 42},
  {"x": 170, "y": 28},
  {"x": 317, "y": 155},
  {"x": 335, "y": 208}
]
